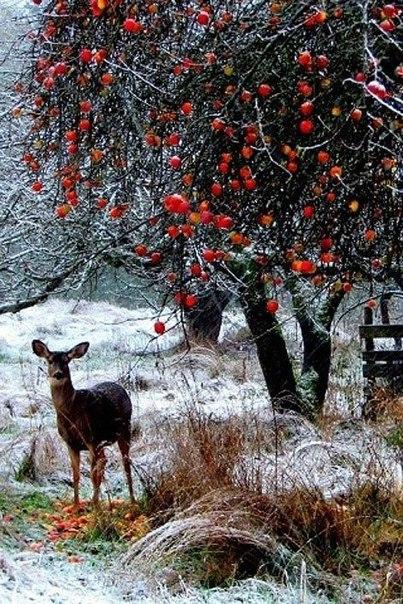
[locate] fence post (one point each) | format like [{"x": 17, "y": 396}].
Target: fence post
[
  {"x": 395, "y": 382},
  {"x": 368, "y": 410}
]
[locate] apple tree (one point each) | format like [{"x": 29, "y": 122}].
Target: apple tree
[{"x": 242, "y": 145}]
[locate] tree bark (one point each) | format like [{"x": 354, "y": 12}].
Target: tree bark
[
  {"x": 315, "y": 327},
  {"x": 271, "y": 349},
  {"x": 204, "y": 322},
  {"x": 315, "y": 371}
]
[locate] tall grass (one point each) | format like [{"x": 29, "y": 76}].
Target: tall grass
[{"x": 217, "y": 518}]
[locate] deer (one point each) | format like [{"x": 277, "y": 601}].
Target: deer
[{"x": 90, "y": 419}]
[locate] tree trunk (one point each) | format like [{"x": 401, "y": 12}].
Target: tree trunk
[
  {"x": 315, "y": 370},
  {"x": 271, "y": 349},
  {"x": 204, "y": 322},
  {"x": 315, "y": 324}
]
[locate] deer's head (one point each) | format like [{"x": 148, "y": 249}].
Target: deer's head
[{"x": 58, "y": 362}]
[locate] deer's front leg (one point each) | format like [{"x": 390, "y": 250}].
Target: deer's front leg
[{"x": 75, "y": 466}]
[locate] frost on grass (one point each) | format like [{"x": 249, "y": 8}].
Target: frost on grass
[
  {"x": 249, "y": 591},
  {"x": 220, "y": 383},
  {"x": 27, "y": 577},
  {"x": 353, "y": 455},
  {"x": 224, "y": 387}
]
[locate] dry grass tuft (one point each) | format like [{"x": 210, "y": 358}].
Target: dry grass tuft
[
  {"x": 387, "y": 405},
  {"x": 211, "y": 546},
  {"x": 202, "y": 454},
  {"x": 216, "y": 520},
  {"x": 232, "y": 535}
]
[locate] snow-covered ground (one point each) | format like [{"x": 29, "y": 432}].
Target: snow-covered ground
[
  {"x": 163, "y": 379},
  {"x": 29, "y": 577}
]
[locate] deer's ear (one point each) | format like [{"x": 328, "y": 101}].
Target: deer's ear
[
  {"x": 78, "y": 351},
  {"x": 40, "y": 349}
]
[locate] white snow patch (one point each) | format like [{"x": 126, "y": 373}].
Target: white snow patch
[{"x": 29, "y": 577}]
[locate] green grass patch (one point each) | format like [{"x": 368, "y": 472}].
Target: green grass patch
[
  {"x": 395, "y": 437},
  {"x": 22, "y": 518},
  {"x": 23, "y": 505},
  {"x": 36, "y": 521}
]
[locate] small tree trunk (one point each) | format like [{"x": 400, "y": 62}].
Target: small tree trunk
[
  {"x": 271, "y": 349},
  {"x": 204, "y": 322},
  {"x": 316, "y": 366},
  {"x": 315, "y": 324}
]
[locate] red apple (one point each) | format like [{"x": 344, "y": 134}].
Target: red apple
[
  {"x": 206, "y": 217},
  {"x": 308, "y": 212},
  {"x": 390, "y": 10},
  {"x": 141, "y": 250},
  {"x": 173, "y": 139},
  {"x": 85, "y": 55},
  {"x": 190, "y": 300},
  {"x": 323, "y": 157},
  {"x": 187, "y": 108},
  {"x": 250, "y": 184},
  {"x": 48, "y": 83},
  {"x": 360, "y": 77},
  {"x": 84, "y": 125},
  {"x": 132, "y": 26},
  {"x": 356, "y": 115},
  {"x": 305, "y": 59},
  {"x": 306, "y": 127},
  {"x": 223, "y": 168},
  {"x": 203, "y": 18},
  {"x": 155, "y": 257},
  {"x": 175, "y": 162},
  {"x": 322, "y": 62},
  {"x": 173, "y": 231},
  {"x": 306, "y": 108},
  {"x": 272, "y": 306},
  {"x": 196, "y": 270},
  {"x": 85, "y": 106},
  {"x": 246, "y": 96},
  {"x": 377, "y": 89},
  {"x": 264, "y": 90},
  {"x": 217, "y": 124},
  {"x": 209, "y": 255},
  {"x": 37, "y": 186},
  {"x": 304, "y": 88},
  {"x": 102, "y": 203},
  {"x": 159, "y": 328},
  {"x": 225, "y": 222},
  {"x": 387, "y": 26},
  {"x": 216, "y": 189},
  {"x": 326, "y": 244},
  {"x": 307, "y": 267}
]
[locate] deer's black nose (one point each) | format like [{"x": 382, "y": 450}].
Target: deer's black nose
[{"x": 58, "y": 375}]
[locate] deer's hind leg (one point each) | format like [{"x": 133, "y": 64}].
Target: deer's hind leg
[
  {"x": 124, "y": 446},
  {"x": 98, "y": 463},
  {"x": 75, "y": 466}
]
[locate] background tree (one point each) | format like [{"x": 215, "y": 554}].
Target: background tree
[
  {"x": 31, "y": 266},
  {"x": 245, "y": 144}
]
